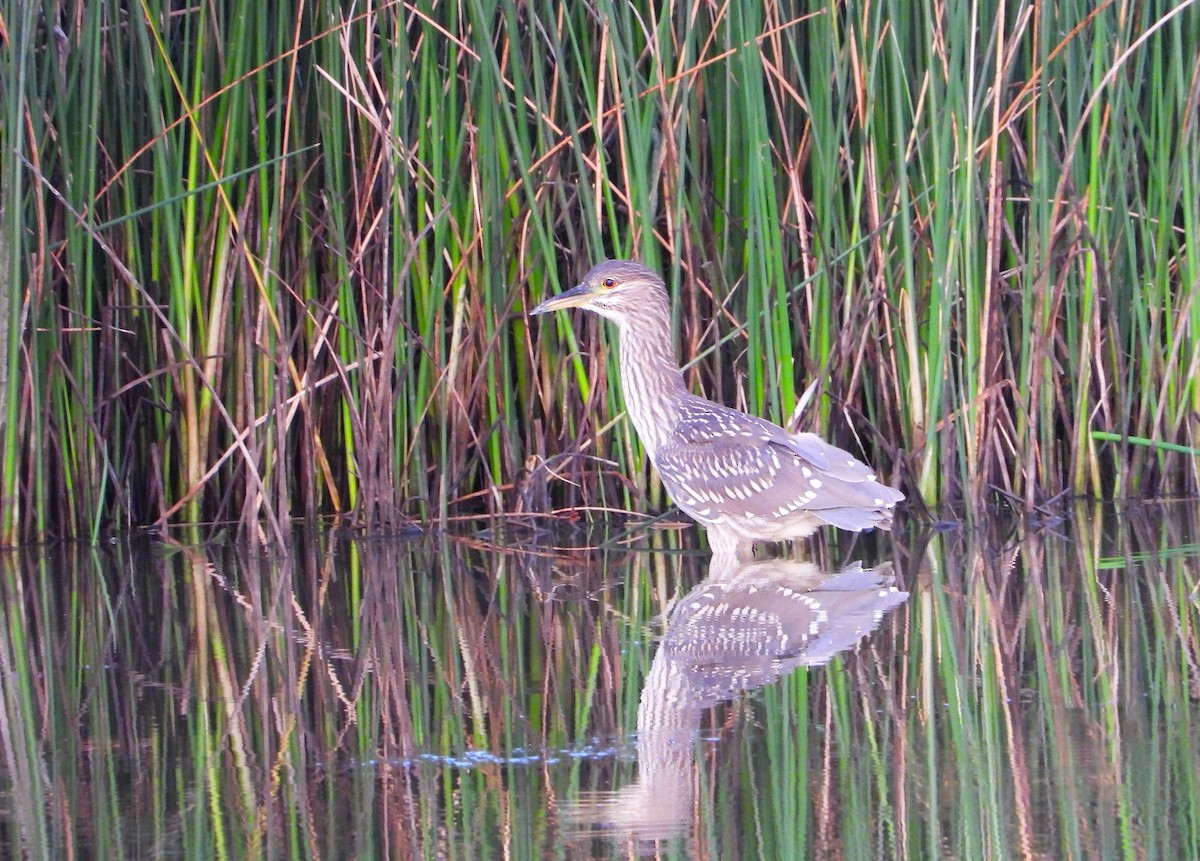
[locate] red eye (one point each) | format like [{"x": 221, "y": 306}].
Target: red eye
[{"x": 610, "y": 282}]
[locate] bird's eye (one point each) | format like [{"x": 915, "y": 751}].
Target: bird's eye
[{"x": 610, "y": 283}]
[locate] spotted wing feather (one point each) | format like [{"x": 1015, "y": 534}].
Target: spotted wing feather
[{"x": 720, "y": 462}]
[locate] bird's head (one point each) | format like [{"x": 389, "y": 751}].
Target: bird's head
[{"x": 621, "y": 290}]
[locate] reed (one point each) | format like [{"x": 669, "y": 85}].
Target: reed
[{"x": 291, "y": 280}]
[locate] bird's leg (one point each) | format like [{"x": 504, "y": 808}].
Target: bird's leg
[{"x": 728, "y": 550}]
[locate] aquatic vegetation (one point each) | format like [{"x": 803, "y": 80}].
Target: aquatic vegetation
[{"x": 293, "y": 280}]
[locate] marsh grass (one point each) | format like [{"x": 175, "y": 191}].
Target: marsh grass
[{"x": 273, "y": 261}]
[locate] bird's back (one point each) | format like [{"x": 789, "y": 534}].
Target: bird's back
[{"x": 742, "y": 473}]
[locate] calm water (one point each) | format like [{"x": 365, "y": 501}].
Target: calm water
[{"x": 1008, "y": 691}]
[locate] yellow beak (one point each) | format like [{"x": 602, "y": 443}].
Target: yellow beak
[{"x": 573, "y": 298}]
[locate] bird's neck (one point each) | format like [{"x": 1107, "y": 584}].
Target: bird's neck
[{"x": 651, "y": 380}]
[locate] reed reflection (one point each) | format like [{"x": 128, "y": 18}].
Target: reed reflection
[{"x": 746, "y": 625}]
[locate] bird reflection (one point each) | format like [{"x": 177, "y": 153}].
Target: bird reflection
[{"x": 744, "y": 626}]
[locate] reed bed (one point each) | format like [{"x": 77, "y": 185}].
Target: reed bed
[{"x": 272, "y": 261}]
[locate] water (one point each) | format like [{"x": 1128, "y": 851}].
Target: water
[{"x": 1019, "y": 691}]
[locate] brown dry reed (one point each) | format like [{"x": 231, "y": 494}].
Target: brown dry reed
[{"x": 268, "y": 261}]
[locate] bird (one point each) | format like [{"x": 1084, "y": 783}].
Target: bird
[{"x": 742, "y": 478}]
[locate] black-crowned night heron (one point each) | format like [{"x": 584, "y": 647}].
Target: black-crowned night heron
[{"x": 741, "y": 477}]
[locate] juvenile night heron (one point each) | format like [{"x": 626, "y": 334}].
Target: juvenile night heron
[{"x": 741, "y": 477}]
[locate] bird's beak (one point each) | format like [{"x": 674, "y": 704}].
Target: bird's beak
[{"x": 576, "y": 296}]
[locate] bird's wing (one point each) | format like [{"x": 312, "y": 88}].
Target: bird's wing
[
  {"x": 760, "y": 479},
  {"x": 830, "y": 459},
  {"x": 719, "y": 460}
]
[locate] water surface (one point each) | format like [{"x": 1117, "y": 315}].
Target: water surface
[{"x": 1010, "y": 690}]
